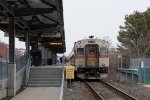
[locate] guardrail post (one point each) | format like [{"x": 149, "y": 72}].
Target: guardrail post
[
  {"x": 132, "y": 78},
  {"x": 126, "y": 78},
  {"x": 119, "y": 76}
]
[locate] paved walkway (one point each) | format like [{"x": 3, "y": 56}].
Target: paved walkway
[{"x": 39, "y": 93}]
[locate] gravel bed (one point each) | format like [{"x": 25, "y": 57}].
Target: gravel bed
[
  {"x": 138, "y": 91},
  {"x": 78, "y": 92},
  {"x": 107, "y": 94}
]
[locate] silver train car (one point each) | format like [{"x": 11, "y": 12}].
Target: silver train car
[{"x": 90, "y": 57}]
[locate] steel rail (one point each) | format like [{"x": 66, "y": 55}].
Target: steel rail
[
  {"x": 125, "y": 95},
  {"x": 98, "y": 97}
]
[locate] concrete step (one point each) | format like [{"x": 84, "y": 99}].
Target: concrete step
[
  {"x": 44, "y": 85},
  {"x": 45, "y": 79},
  {"x": 46, "y": 69},
  {"x": 44, "y": 82},
  {"x": 46, "y": 73},
  {"x": 44, "y": 76},
  {"x": 57, "y": 69}
]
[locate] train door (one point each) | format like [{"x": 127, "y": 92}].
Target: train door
[{"x": 92, "y": 55}]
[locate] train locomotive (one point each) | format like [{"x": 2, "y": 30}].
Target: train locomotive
[{"x": 90, "y": 57}]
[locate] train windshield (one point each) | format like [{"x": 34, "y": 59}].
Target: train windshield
[
  {"x": 92, "y": 51},
  {"x": 103, "y": 51},
  {"x": 80, "y": 51}
]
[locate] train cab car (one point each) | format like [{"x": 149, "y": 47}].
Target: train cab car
[{"x": 90, "y": 56}]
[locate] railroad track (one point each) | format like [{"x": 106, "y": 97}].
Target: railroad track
[
  {"x": 97, "y": 96},
  {"x": 123, "y": 94},
  {"x": 118, "y": 91},
  {"x": 102, "y": 96}
]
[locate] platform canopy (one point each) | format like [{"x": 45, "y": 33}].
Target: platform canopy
[{"x": 43, "y": 19}]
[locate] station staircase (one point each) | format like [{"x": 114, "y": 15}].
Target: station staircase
[{"x": 45, "y": 77}]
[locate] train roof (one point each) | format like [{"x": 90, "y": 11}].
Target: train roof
[{"x": 88, "y": 39}]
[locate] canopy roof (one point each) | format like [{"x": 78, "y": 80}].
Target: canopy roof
[{"x": 43, "y": 19}]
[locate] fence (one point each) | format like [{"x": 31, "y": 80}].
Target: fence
[
  {"x": 136, "y": 63},
  {"x": 20, "y": 63},
  {"x": 3, "y": 69}
]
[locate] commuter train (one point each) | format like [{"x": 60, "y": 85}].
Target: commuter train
[{"x": 90, "y": 57}]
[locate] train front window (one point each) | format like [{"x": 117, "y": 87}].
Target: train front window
[
  {"x": 80, "y": 51},
  {"x": 103, "y": 51},
  {"x": 92, "y": 51}
]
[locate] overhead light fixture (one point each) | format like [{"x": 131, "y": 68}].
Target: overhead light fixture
[{"x": 55, "y": 43}]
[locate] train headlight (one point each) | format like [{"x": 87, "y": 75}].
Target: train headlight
[
  {"x": 103, "y": 65},
  {"x": 79, "y": 42}
]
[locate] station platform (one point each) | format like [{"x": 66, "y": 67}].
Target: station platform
[
  {"x": 39, "y": 93},
  {"x": 45, "y": 83}
]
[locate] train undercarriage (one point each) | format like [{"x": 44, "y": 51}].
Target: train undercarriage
[{"x": 91, "y": 73}]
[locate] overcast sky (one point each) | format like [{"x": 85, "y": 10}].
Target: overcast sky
[{"x": 100, "y": 18}]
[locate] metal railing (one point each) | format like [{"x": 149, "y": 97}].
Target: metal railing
[
  {"x": 3, "y": 70},
  {"x": 20, "y": 64},
  {"x": 61, "y": 97}
]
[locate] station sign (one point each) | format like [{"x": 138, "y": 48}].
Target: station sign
[
  {"x": 69, "y": 72},
  {"x": 55, "y": 43}
]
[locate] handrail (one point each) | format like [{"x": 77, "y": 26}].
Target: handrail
[
  {"x": 62, "y": 81},
  {"x": 62, "y": 86},
  {"x": 28, "y": 65}
]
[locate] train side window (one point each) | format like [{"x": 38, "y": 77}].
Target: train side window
[
  {"x": 103, "y": 51},
  {"x": 80, "y": 51}
]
